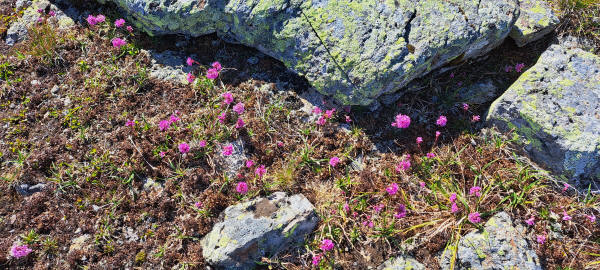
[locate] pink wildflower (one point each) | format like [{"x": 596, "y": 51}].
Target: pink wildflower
[
  {"x": 222, "y": 117},
  {"x": 454, "y": 208},
  {"x": 519, "y": 67},
  {"x": 508, "y": 69},
  {"x": 217, "y": 66},
  {"x": 241, "y": 188},
  {"x": 465, "y": 107},
  {"x": 52, "y": 13},
  {"x": 475, "y": 217},
  {"x": 452, "y": 75},
  {"x": 119, "y": 23},
  {"x": 400, "y": 211},
  {"x": 326, "y": 245},
  {"x": 316, "y": 259},
  {"x": 100, "y": 18},
  {"x": 530, "y": 221},
  {"x": 441, "y": 121},
  {"x": 346, "y": 207},
  {"x": 198, "y": 205},
  {"x": 592, "y": 218},
  {"x": 202, "y": 143},
  {"x": 240, "y": 123},
  {"x": 249, "y": 163},
  {"x": 227, "y": 150},
  {"x": 162, "y": 154},
  {"x": 130, "y": 123},
  {"x": 368, "y": 222},
  {"x": 321, "y": 121},
  {"x": 392, "y": 189},
  {"x": 212, "y": 73},
  {"x": 129, "y": 29},
  {"x": 334, "y": 161},
  {"x": 541, "y": 239},
  {"x": 91, "y": 20},
  {"x": 190, "y": 61},
  {"x": 419, "y": 140},
  {"x": 476, "y": 118},
  {"x": 118, "y": 43},
  {"x": 566, "y": 186},
  {"x": 184, "y": 148},
  {"x": 279, "y": 144},
  {"x": 164, "y": 125},
  {"x": 190, "y": 77},
  {"x": 174, "y": 118},
  {"x": 422, "y": 184},
  {"x": 430, "y": 155},
  {"x": 378, "y": 207},
  {"x": 437, "y": 134},
  {"x": 329, "y": 113},
  {"x": 402, "y": 121},
  {"x": 260, "y": 171},
  {"x": 404, "y": 165},
  {"x": 239, "y": 108},
  {"x": 317, "y": 110},
  {"x": 20, "y": 251},
  {"x": 228, "y": 97},
  {"x": 348, "y": 120},
  {"x": 452, "y": 197},
  {"x": 475, "y": 191},
  {"x": 566, "y": 217}
]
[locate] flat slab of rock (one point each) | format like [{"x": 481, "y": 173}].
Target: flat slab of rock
[
  {"x": 536, "y": 19},
  {"x": 555, "y": 108},
  {"x": 499, "y": 246},
  {"x": 259, "y": 228},
  {"x": 354, "y": 51},
  {"x": 401, "y": 263}
]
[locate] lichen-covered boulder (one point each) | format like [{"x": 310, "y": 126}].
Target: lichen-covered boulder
[
  {"x": 499, "y": 246},
  {"x": 536, "y": 19},
  {"x": 555, "y": 108},
  {"x": 258, "y": 228},
  {"x": 355, "y": 50},
  {"x": 17, "y": 31},
  {"x": 401, "y": 263}
]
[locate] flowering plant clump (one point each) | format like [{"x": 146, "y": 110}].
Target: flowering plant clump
[
  {"x": 334, "y": 161},
  {"x": 402, "y": 121},
  {"x": 242, "y": 188},
  {"x": 20, "y": 251},
  {"x": 326, "y": 245}
]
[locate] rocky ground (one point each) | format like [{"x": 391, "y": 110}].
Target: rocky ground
[{"x": 114, "y": 156}]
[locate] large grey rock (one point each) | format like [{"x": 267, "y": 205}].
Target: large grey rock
[
  {"x": 401, "y": 263},
  {"x": 169, "y": 65},
  {"x": 499, "y": 246},
  {"x": 536, "y": 19},
  {"x": 354, "y": 51},
  {"x": 555, "y": 109},
  {"x": 258, "y": 228}
]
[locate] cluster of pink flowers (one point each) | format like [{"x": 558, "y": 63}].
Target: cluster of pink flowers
[
  {"x": 227, "y": 150},
  {"x": 198, "y": 205},
  {"x": 400, "y": 211},
  {"x": 239, "y": 108},
  {"x": 402, "y": 121},
  {"x": 326, "y": 245},
  {"x": 166, "y": 124},
  {"x": 530, "y": 221},
  {"x": 392, "y": 189},
  {"x": 454, "y": 207},
  {"x": 475, "y": 191},
  {"x": 242, "y": 188},
  {"x": 184, "y": 148},
  {"x": 93, "y": 20},
  {"x": 334, "y": 161},
  {"x": 119, "y": 23},
  {"x": 328, "y": 114},
  {"x": 20, "y": 251},
  {"x": 118, "y": 42},
  {"x": 442, "y": 120},
  {"x": 475, "y": 217},
  {"x": 260, "y": 171},
  {"x": 130, "y": 123},
  {"x": 227, "y": 98},
  {"x": 213, "y": 72},
  {"x": 518, "y": 68}
]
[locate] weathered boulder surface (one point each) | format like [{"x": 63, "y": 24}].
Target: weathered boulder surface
[
  {"x": 258, "y": 228},
  {"x": 536, "y": 19},
  {"x": 555, "y": 108},
  {"x": 355, "y": 50},
  {"x": 499, "y": 246},
  {"x": 18, "y": 30},
  {"x": 401, "y": 263}
]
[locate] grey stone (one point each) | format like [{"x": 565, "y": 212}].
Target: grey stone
[
  {"x": 149, "y": 184},
  {"x": 232, "y": 163},
  {"x": 28, "y": 190},
  {"x": 354, "y": 51},
  {"x": 401, "y": 263},
  {"x": 536, "y": 20},
  {"x": 479, "y": 92},
  {"x": 499, "y": 246},
  {"x": 22, "y": 4},
  {"x": 259, "y": 228},
  {"x": 17, "y": 31},
  {"x": 554, "y": 107},
  {"x": 253, "y": 60},
  {"x": 169, "y": 65}
]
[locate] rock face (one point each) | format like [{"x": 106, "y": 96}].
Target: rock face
[
  {"x": 401, "y": 263},
  {"x": 500, "y": 246},
  {"x": 354, "y": 51},
  {"x": 536, "y": 19},
  {"x": 258, "y": 228},
  {"x": 555, "y": 108}
]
